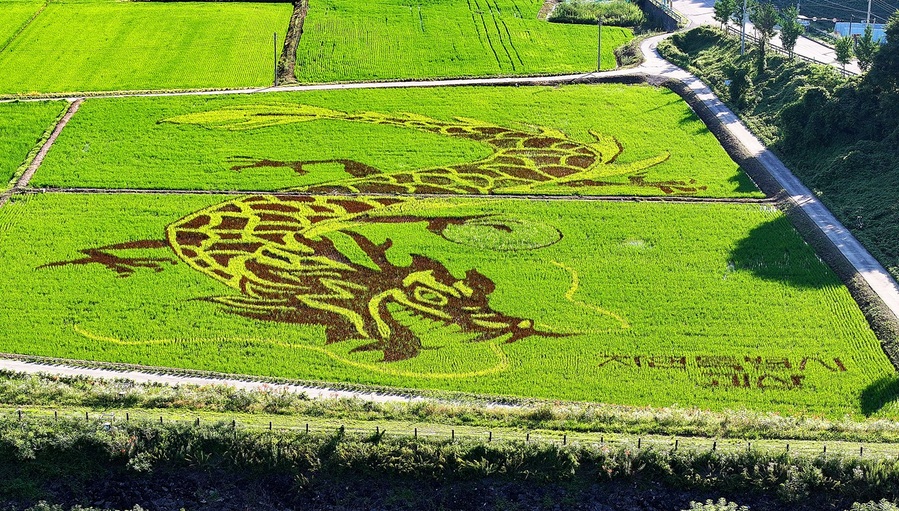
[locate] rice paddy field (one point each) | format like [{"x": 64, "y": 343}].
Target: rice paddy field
[
  {"x": 468, "y": 239},
  {"x": 708, "y": 305},
  {"x": 345, "y": 40},
  {"x": 187, "y": 143},
  {"x": 15, "y": 15},
  {"x": 21, "y": 126},
  {"x": 99, "y": 45}
]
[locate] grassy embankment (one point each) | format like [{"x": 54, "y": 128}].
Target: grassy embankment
[{"x": 75, "y": 460}]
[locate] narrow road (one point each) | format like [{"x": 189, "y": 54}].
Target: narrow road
[
  {"x": 151, "y": 375},
  {"x": 655, "y": 66}
]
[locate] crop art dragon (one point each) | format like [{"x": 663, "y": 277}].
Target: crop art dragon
[{"x": 282, "y": 252}]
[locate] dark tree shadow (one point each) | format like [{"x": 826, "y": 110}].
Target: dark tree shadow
[
  {"x": 774, "y": 251},
  {"x": 743, "y": 183},
  {"x": 879, "y": 394}
]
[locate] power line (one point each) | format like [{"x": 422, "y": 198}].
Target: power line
[{"x": 826, "y": 4}]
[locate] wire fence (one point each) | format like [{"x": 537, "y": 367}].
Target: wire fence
[
  {"x": 736, "y": 32},
  {"x": 110, "y": 420}
]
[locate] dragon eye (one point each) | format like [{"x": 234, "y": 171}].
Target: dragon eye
[{"x": 429, "y": 296}]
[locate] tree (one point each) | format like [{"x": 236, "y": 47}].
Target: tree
[
  {"x": 866, "y": 49},
  {"x": 765, "y": 17},
  {"x": 843, "y": 48},
  {"x": 885, "y": 69},
  {"x": 723, "y": 11},
  {"x": 790, "y": 28}
]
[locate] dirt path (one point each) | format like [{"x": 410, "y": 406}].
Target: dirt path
[
  {"x": 287, "y": 62},
  {"x": 548, "y": 7},
  {"x": 32, "y": 168}
]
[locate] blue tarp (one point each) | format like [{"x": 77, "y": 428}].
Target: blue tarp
[{"x": 858, "y": 28}]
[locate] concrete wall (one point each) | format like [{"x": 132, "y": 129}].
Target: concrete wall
[{"x": 659, "y": 15}]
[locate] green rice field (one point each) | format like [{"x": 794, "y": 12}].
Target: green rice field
[
  {"x": 14, "y": 15},
  {"x": 179, "y": 143},
  {"x": 21, "y": 126},
  {"x": 346, "y": 40},
  {"x": 99, "y": 45},
  {"x": 708, "y": 305}
]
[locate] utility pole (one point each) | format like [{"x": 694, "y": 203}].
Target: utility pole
[
  {"x": 743, "y": 31},
  {"x": 869, "y": 11},
  {"x": 275, "y": 46},
  {"x": 599, "y": 45}
]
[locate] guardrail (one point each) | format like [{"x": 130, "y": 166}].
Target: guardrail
[{"x": 734, "y": 31}]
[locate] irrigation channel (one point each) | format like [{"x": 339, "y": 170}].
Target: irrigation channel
[
  {"x": 112, "y": 418},
  {"x": 654, "y": 69}
]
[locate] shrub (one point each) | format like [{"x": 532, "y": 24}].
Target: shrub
[
  {"x": 883, "y": 505},
  {"x": 721, "y": 505},
  {"x": 621, "y": 13}
]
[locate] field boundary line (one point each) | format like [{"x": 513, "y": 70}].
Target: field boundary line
[
  {"x": 300, "y": 193},
  {"x": 23, "y": 27},
  {"x": 34, "y": 159},
  {"x": 585, "y": 77},
  {"x": 42, "y": 153}
]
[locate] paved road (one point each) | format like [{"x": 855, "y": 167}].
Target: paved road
[
  {"x": 868, "y": 267},
  {"x": 702, "y": 12}
]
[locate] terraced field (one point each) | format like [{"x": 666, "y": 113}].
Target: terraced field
[
  {"x": 709, "y": 305},
  {"x": 333, "y": 266},
  {"x": 108, "y": 45},
  {"x": 186, "y": 143},
  {"x": 587, "y": 243},
  {"x": 345, "y": 40}
]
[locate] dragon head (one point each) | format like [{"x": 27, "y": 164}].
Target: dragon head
[{"x": 428, "y": 290}]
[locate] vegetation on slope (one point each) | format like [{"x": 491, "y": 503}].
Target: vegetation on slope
[
  {"x": 122, "y": 463},
  {"x": 43, "y": 394}
]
